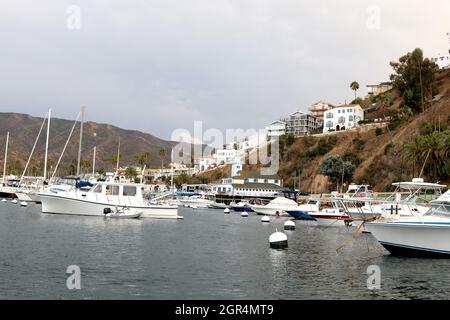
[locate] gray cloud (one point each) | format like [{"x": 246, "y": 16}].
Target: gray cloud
[{"x": 159, "y": 65}]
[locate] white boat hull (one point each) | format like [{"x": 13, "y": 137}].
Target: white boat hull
[
  {"x": 330, "y": 218},
  {"x": 412, "y": 238},
  {"x": 270, "y": 211},
  {"x": 73, "y": 206},
  {"x": 22, "y": 196}
]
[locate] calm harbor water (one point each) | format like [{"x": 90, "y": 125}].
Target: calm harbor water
[{"x": 207, "y": 255}]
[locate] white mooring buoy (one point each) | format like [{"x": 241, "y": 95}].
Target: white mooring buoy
[
  {"x": 244, "y": 214},
  {"x": 4, "y": 200},
  {"x": 14, "y": 201},
  {"x": 278, "y": 240},
  {"x": 289, "y": 225},
  {"x": 265, "y": 219},
  {"x": 23, "y": 204},
  {"x": 226, "y": 211}
]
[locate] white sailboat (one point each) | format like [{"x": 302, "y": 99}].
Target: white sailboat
[{"x": 28, "y": 186}]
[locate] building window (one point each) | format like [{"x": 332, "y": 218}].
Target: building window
[
  {"x": 329, "y": 124},
  {"x": 341, "y": 120},
  {"x": 329, "y": 115},
  {"x": 350, "y": 118}
]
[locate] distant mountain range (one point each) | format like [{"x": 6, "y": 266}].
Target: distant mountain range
[{"x": 24, "y": 129}]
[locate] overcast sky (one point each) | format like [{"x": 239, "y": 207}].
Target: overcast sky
[{"x": 159, "y": 65}]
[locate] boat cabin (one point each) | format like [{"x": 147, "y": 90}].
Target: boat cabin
[{"x": 118, "y": 189}]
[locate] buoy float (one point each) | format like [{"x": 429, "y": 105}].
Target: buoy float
[
  {"x": 278, "y": 240},
  {"x": 226, "y": 211},
  {"x": 23, "y": 204},
  {"x": 4, "y": 200},
  {"x": 14, "y": 201},
  {"x": 265, "y": 219},
  {"x": 289, "y": 225},
  {"x": 244, "y": 214}
]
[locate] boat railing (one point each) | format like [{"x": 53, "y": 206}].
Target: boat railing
[{"x": 366, "y": 210}]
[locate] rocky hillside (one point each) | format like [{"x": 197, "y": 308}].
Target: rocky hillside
[
  {"x": 24, "y": 129},
  {"x": 378, "y": 154}
]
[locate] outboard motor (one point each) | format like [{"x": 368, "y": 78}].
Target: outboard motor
[{"x": 107, "y": 210}]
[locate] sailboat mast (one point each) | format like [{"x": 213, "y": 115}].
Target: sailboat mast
[
  {"x": 118, "y": 156},
  {"x": 81, "y": 140},
  {"x": 6, "y": 157},
  {"x": 46, "y": 143},
  {"x": 93, "y": 162},
  {"x": 171, "y": 178}
]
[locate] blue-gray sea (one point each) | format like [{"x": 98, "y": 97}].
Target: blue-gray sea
[{"x": 207, "y": 255}]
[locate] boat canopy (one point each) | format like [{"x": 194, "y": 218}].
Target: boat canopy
[
  {"x": 283, "y": 201},
  {"x": 418, "y": 183}
]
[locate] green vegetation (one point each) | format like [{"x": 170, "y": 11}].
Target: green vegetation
[
  {"x": 162, "y": 155},
  {"x": 337, "y": 169},
  {"x": 378, "y": 131},
  {"x": 415, "y": 79},
  {"x": 131, "y": 173},
  {"x": 432, "y": 152},
  {"x": 142, "y": 158}
]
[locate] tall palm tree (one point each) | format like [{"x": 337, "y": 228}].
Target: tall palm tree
[
  {"x": 142, "y": 158},
  {"x": 432, "y": 152},
  {"x": 162, "y": 155},
  {"x": 414, "y": 152},
  {"x": 355, "y": 86}
]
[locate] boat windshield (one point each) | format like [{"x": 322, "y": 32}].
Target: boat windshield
[{"x": 439, "y": 210}]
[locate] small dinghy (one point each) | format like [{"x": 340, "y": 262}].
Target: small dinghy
[{"x": 122, "y": 213}]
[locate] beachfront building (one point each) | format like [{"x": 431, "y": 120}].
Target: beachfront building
[
  {"x": 301, "y": 123},
  {"x": 343, "y": 117},
  {"x": 376, "y": 89},
  {"x": 226, "y": 156},
  {"x": 175, "y": 169},
  {"x": 249, "y": 184},
  {"x": 318, "y": 109},
  {"x": 442, "y": 60},
  {"x": 275, "y": 129},
  {"x": 205, "y": 163},
  {"x": 252, "y": 142}
]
